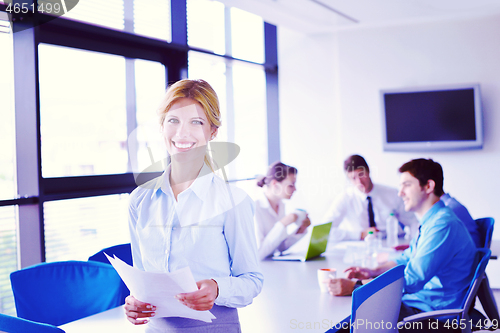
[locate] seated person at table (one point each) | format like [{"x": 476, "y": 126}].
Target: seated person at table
[
  {"x": 365, "y": 206},
  {"x": 439, "y": 261},
  {"x": 463, "y": 214},
  {"x": 271, "y": 221}
]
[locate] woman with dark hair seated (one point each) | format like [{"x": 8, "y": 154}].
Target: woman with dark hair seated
[{"x": 271, "y": 221}]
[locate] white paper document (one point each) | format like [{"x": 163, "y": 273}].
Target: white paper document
[{"x": 160, "y": 289}]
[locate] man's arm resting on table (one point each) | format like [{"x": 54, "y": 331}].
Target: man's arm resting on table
[{"x": 345, "y": 287}]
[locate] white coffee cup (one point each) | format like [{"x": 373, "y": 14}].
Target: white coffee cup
[
  {"x": 323, "y": 275},
  {"x": 301, "y": 216}
]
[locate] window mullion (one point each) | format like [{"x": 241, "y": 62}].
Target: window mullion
[{"x": 30, "y": 230}]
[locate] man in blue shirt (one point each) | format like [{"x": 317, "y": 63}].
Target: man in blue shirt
[{"x": 439, "y": 260}]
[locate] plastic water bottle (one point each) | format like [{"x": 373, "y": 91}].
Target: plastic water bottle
[
  {"x": 392, "y": 227},
  {"x": 407, "y": 231},
  {"x": 371, "y": 250}
]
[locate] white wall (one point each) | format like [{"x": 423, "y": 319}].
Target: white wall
[
  {"x": 348, "y": 68},
  {"x": 309, "y": 125}
]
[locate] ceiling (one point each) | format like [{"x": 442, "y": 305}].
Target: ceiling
[{"x": 315, "y": 16}]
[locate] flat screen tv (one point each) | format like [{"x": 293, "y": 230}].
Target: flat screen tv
[{"x": 432, "y": 118}]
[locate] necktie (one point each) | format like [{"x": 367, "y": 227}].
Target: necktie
[
  {"x": 418, "y": 237},
  {"x": 371, "y": 216}
]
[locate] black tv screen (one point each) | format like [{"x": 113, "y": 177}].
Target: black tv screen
[{"x": 427, "y": 119}]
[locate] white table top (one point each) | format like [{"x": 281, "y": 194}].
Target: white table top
[{"x": 290, "y": 301}]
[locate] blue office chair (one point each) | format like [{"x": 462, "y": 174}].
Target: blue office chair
[
  {"x": 485, "y": 228},
  {"x": 376, "y": 302},
  {"x": 485, "y": 294},
  {"x": 464, "y": 313},
  {"x": 60, "y": 292},
  {"x": 11, "y": 324},
  {"x": 122, "y": 251}
]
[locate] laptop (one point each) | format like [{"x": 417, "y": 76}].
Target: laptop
[{"x": 317, "y": 245}]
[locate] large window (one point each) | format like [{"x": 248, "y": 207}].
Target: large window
[
  {"x": 150, "y": 85},
  {"x": 78, "y": 228},
  {"x": 240, "y": 85},
  {"x": 82, "y": 111},
  {"x": 205, "y": 23},
  {"x": 109, "y": 13},
  {"x": 247, "y": 36}
]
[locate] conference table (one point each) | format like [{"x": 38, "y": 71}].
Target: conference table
[{"x": 290, "y": 301}]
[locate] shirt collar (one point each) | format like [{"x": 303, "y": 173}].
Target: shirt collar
[
  {"x": 445, "y": 197},
  {"x": 363, "y": 195},
  {"x": 199, "y": 186},
  {"x": 434, "y": 209},
  {"x": 267, "y": 205},
  {"x": 202, "y": 183}
]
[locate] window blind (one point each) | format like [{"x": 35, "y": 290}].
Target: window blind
[
  {"x": 4, "y": 23},
  {"x": 8, "y": 250},
  {"x": 75, "y": 229},
  {"x": 152, "y": 19},
  {"x": 109, "y": 13}
]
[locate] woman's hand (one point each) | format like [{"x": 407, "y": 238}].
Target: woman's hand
[
  {"x": 202, "y": 299},
  {"x": 360, "y": 273},
  {"x": 289, "y": 219},
  {"x": 138, "y": 312},
  {"x": 304, "y": 225}
]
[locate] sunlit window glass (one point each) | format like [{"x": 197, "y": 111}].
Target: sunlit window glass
[
  {"x": 150, "y": 86},
  {"x": 109, "y": 13},
  {"x": 152, "y": 19},
  {"x": 247, "y": 36},
  {"x": 75, "y": 229},
  {"x": 7, "y": 121},
  {"x": 4, "y": 23},
  {"x": 205, "y": 24},
  {"x": 213, "y": 70},
  {"x": 83, "y": 112},
  {"x": 250, "y": 118},
  {"x": 8, "y": 264}
]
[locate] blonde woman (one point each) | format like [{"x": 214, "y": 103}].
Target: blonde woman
[{"x": 191, "y": 217}]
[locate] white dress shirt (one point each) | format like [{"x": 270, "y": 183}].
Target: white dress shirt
[
  {"x": 349, "y": 212},
  {"x": 271, "y": 234},
  {"x": 209, "y": 228}
]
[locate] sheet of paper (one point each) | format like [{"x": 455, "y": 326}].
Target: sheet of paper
[{"x": 160, "y": 289}]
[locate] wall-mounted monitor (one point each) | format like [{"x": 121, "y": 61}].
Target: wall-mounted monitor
[{"x": 432, "y": 118}]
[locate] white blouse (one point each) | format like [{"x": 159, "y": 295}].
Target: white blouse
[
  {"x": 209, "y": 228},
  {"x": 271, "y": 234}
]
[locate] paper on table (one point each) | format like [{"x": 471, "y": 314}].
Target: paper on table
[{"x": 159, "y": 289}]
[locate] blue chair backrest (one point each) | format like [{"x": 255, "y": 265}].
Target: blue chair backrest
[
  {"x": 481, "y": 260},
  {"x": 122, "y": 251},
  {"x": 11, "y": 324},
  {"x": 59, "y": 292},
  {"x": 485, "y": 226},
  {"x": 378, "y": 302}
]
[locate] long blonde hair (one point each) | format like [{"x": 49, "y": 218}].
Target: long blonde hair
[{"x": 198, "y": 90}]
